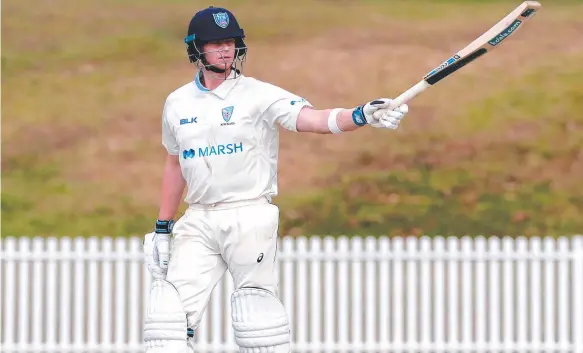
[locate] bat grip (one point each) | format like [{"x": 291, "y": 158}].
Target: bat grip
[{"x": 409, "y": 94}]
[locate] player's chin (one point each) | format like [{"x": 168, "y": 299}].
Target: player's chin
[{"x": 224, "y": 65}]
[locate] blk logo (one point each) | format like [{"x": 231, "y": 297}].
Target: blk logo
[
  {"x": 188, "y": 121},
  {"x": 260, "y": 258},
  {"x": 293, "y": 102}
]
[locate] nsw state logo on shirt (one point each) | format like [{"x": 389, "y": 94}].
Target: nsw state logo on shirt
[{"x": 227, "y": 114}]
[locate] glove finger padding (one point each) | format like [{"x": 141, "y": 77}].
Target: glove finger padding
[
  {"x": 163, "y": 247},
  {"x": 148, "y": 246},
  {"x": 152, "y": 256},
  {"x": 403, "y": 108},
  {"x": 397, "y": 113},
  {"x": 379, "y": 114},
  {"x": 392, "y": 114},
  {"x": 384, "y": 124},
  {"x": 389, "y": 124}
]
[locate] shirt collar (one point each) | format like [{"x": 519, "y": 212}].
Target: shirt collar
[{"x": 224, "y": 88}]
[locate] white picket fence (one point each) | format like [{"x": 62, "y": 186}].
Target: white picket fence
[{"x": 345, "y": 294}]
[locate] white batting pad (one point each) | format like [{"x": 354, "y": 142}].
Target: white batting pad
[
  {"x": 260, "y": 322},
  {"x": 165, "y": 326}
]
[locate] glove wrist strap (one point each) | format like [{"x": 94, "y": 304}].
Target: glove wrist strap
[
  {"x": 164, "y": 226},
  {"x": 358, "y": 116}
]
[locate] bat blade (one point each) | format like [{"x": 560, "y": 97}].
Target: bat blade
[{"x": 488, "y": 41}]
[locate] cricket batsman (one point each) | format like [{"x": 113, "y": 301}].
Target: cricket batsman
[{"x": 221, "y": 134}]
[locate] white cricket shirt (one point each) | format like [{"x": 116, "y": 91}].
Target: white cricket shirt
[{"x": 227, "y": 139}]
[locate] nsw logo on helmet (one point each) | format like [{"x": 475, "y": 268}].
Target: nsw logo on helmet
[{"x": 221, "y": 19}]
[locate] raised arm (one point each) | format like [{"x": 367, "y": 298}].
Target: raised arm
[{"x": 327, "y": 121}]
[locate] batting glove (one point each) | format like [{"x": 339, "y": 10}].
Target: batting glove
[
  {"x": 157, "y": 249},
  {"x": 377, "y": 114}
]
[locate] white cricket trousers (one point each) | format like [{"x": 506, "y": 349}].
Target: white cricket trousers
[{"x": 209, "y": 239}]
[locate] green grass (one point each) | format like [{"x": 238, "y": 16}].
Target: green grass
[
  {"x": 81, "y": 105},
  {"x": 434, "y": 202}
]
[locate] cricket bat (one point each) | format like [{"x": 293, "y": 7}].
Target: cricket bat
[{"x": 488, "y": 41}]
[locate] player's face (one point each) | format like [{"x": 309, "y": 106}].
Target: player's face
[{"x": 220, "y": 53}]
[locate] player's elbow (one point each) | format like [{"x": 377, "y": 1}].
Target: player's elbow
[{"x": 312, "y": 120}]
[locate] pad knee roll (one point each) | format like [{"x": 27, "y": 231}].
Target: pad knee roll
[
  {"x": 165, "y": 329},
  {"x": 260, "y": 321}
]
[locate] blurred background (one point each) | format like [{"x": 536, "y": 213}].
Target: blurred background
[{"x": 496, "y": 149}]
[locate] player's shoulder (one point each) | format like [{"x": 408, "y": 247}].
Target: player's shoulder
[
  {"x": 184, "y": 92},
  {"x": 266, "y": 89},
  {"x": 253, "y": 82}
]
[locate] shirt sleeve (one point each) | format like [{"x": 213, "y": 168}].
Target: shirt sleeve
[
  {"x": 168, "y": 136},
  {"x": 284, "y": 108}
]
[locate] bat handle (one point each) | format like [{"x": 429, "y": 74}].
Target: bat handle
[{"x": 409, "y": 94}]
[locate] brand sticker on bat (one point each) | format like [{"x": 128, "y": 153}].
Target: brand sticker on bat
[
  {"x": 505, "y": 33},
  {"x": 528, "y": 13},
  {"x": 443, "y": 66}
]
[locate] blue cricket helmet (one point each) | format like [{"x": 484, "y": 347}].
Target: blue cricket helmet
[{"x": 211, "y": 24}]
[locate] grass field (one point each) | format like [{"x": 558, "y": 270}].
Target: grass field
[{"x": 496, "y": 149}]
